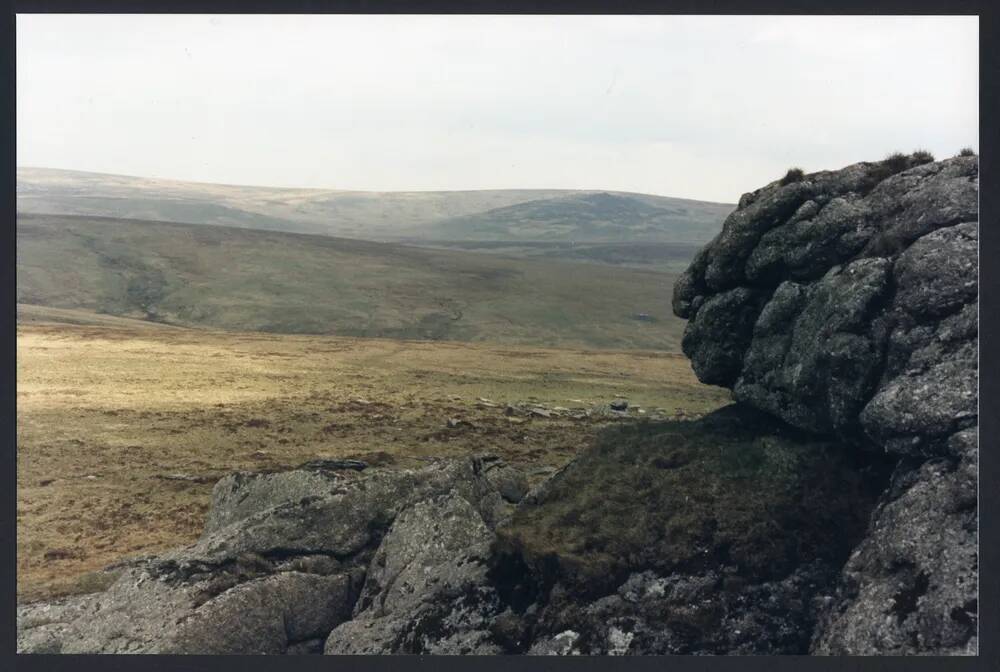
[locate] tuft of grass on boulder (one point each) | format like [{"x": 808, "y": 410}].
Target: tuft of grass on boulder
[
  {"x": 896, "y": 162},
  {"x": 967, "y": 151},
  {"x": 794, "y": 174}
]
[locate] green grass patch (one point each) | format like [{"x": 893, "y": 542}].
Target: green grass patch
[{"x": 733, "y": 488}]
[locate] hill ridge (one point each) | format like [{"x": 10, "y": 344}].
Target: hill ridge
[
  {"x": 370, "y": 215},
  {"x": 567, "y": 190}
]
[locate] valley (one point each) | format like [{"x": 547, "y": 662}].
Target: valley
[{"x": 240, "y": 279}]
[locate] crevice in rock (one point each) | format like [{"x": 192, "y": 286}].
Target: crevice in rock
[
  {"x": 967, "y": 614},
  {"x": 905, "y": 601}
]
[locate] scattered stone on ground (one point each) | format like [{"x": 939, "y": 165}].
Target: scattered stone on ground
[
  {"x": 334, "y": 465},
  {"x": 190, "y": 478}
]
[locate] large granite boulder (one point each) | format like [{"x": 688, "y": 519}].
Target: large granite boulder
[
  {"x": 831, "y": 302},
  {"x": 845, "y": 303}
]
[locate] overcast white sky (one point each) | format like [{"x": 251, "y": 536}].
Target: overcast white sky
[{"x": 698, "y": 107}]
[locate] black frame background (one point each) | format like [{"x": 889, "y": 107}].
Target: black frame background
[{"x": 989, "y": 379}]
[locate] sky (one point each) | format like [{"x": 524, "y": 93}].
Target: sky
[{"x": 688, "y": 106}]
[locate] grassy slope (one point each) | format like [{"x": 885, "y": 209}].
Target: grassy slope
[
  {"x": 355, "y": 214},
  {"x": 28, "y": 314},
  {"x": 250, "y": 280}
]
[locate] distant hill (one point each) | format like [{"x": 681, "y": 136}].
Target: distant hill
[
  {"x": 589, "y": 217},
  {"x": 495, "y": 215},
  {"x": 247, "y": 280}
]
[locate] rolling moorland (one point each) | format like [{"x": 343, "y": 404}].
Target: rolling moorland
[
  {"x": 125, "y": 425},
  {"x": 668, "y": 257},
  {"x": 554, "y": 215},
  {"x": 586, "y": 217},
  {"x": 169, "y": 333}
]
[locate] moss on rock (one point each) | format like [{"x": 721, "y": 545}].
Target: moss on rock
[{"x": 734, "y": 488}]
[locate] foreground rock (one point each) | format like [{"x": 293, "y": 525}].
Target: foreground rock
[
  {"x": 846, "y": 305},
  {"x": 282, "y": 562},
  {"x": 709, "y": 536}
]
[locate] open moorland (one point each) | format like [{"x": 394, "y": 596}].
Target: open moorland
[
  {"x": 124, "y": 426},
  {"x": 170, "y": 333}
]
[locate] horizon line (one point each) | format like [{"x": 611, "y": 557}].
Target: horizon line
[{"x": 368, "y": 191}]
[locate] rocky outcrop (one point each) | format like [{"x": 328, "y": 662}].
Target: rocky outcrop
[
  {"x": 711, "y": 536},
  {"x": 846, "y": 304},
  {"x": 686, "y": 613},
  {"x": 284, "y": 560}
]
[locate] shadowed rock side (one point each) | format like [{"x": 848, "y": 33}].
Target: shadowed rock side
[
  {"x": 911, "y": 586},
  {"x": 703, "y": 537},
  {"x": 846, "y": 304}
]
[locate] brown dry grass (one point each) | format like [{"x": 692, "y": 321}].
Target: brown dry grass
[{"x": 106, "y": 411}]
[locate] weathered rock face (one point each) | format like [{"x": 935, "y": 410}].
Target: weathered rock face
[
  {"x": 283, "y": 561},
  {"x": 426, "y": 590},
  {"x": 259, "y": 608},
  {"x": 846, "y": 304},
  {"x": 306, "y": 513}
]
